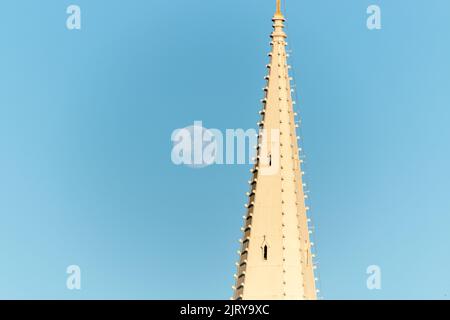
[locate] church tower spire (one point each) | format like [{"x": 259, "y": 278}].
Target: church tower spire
[
  {"x": 275, "y": 258},
  {"x": 278, "y": 12}
]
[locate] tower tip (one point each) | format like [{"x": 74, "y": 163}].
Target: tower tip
[{"x": 278, "y": 12}]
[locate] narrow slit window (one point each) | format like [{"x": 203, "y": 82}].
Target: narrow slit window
[{"x": 265, "y": 252}]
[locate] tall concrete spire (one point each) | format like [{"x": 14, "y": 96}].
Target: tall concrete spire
[{"x": 275, "y": 257}]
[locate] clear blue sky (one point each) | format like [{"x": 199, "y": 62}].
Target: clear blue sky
[{"x": 86, "y": 118}]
